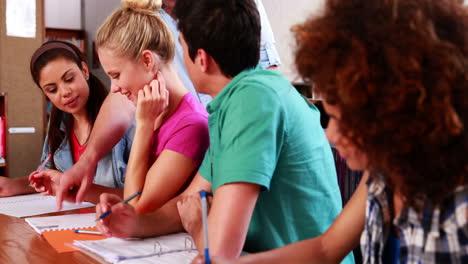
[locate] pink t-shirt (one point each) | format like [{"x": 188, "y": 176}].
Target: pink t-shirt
[{"x": 185, "y": 132}]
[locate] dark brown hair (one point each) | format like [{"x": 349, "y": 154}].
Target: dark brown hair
[
  {"x": 398, "y": 72},
  {"x": 228, "y": 30},
  {"x": 97, "y": 92}
]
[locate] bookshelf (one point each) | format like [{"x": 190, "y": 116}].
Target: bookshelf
[
  {"x": 74, "y": 36},
  {"x": 3, "y": 134}
]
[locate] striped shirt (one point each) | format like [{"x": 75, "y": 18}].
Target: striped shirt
[{"x": 437, "y": 234}]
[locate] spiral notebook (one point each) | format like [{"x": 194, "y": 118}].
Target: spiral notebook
[
  {"x": 153, "y": 250},
  {"x": 59, "y": 230}
]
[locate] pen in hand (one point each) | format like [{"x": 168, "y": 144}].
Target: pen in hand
[
  {"x": 41, "y": 167},
  {"x": 43, "y": 164},
  {"x": 205, "y": 226},
  {"x": 124, "y": 201}
]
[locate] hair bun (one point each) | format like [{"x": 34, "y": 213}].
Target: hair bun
[{"x": 153, "y": 5}]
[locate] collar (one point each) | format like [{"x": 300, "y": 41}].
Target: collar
[{"x": 226, "y": 92}]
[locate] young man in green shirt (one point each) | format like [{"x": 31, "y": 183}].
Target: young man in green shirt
[{"x": 269, "y": 165}]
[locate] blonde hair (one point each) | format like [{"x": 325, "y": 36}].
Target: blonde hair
[{"x": 136, "y": 27}]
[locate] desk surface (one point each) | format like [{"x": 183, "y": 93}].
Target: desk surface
[{"x": 19, "y": 243}]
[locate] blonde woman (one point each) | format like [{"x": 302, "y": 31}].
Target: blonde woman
[{"x": 136, "y": 50}]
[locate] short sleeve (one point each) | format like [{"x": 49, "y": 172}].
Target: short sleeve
[
  {"x": 191, "y": 138},
  {"x": 251, "y": 138}
]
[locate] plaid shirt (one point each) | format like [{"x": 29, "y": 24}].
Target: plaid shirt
[{"x": 436, "y": 235}]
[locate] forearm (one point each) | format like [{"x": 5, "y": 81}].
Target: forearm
[
  {"x": 229, "y": 218},
  {"x": 96, "y": 190},
  {"x": 307, "y": 251},
  {"x": 109, "y": 127},
  {"x": 330, "y": 247},
  {"x": 138, "y": 163},
  {"x": 164, "y": 221},
  {"x": 22, "y": 185}
]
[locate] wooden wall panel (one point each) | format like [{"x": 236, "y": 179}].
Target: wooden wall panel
[{"x": 26, "y": 103}]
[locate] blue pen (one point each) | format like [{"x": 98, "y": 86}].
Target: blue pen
[
  {"x": 124, "y": 201},
  {"x": 80, "y": 231},
  {"x": 205, "y": 226}
]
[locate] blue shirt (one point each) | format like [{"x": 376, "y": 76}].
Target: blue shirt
[
  {"x": 437, "y": 234},
  {"x": 110, "y": 170}
]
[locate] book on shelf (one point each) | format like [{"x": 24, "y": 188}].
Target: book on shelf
[{"x": 2, "y": 140}]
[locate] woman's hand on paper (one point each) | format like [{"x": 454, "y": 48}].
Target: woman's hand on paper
[
  {"x": 122, "y": 222},
  {"x": 75, "y": 182},
  {"x": 152, "y": 101}
]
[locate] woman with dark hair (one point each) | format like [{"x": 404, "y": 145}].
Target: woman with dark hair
[
  {"x": 60, "y": 71},
  {"x": 394, "y": 79}
]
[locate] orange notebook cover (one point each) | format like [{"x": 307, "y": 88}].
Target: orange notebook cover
[{"x": 59, "y": 239}]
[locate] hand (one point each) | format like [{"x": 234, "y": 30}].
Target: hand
[
  {"x": 190, "y": 213},
  {"x": 47, "y": 182},
  {"x": 123, "y": 220},
  {"x": 43, "y": 181},
  {"x": 200, "y": 259},
  {"x": 76, "y": 182},
  {"x": 152, "y": 101},
  {"x": 10, "y": 187}
]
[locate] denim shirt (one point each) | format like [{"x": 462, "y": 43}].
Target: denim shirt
[
  {"x": 268, "y": 53},
  {"x": 110, "y": 170}
]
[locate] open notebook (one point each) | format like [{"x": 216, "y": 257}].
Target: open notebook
[
  {"x": 34, "y": 204},
  {"x": 59, "y": 230},
  {"x": 153, "y": 250}
]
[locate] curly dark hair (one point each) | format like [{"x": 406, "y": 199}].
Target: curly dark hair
[{"x": 398, "y": 72}]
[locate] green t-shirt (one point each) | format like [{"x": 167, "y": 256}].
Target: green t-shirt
[{"x": 263, "y": 131}]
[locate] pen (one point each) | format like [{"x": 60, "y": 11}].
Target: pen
[
  {"x": 42, "y": 166},
  {"x": 44, "y": 162},
  {"x": 205, "y": 226},
  {"x": 124, "y": 201},
  {"x": 79, "y": 231}
]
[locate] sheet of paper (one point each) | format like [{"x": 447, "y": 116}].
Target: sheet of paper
[
  {"x": 34, "y": 204},
  {"x": 61, "y": 240},
  {"x": 183, "y": 257},
  {"x": 21, "y": 18},
  {"x": 62, "y": 222}
]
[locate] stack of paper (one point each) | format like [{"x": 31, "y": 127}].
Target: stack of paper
[{"x": 161, "y": 249}]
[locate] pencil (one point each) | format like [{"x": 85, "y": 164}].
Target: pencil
[
  {"x": 124, "y": 201},
  {"x": 205, "y": 226}
]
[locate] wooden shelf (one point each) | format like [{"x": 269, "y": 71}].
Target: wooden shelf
[{"x": 75, "y": 36}]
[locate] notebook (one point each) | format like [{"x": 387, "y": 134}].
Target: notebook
[
  {"x": 59, "y": 230},
  {"x": 116, "y": 250},
  {"x": 61, "y": 222},
  {"x": 34, "y": 204}
]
